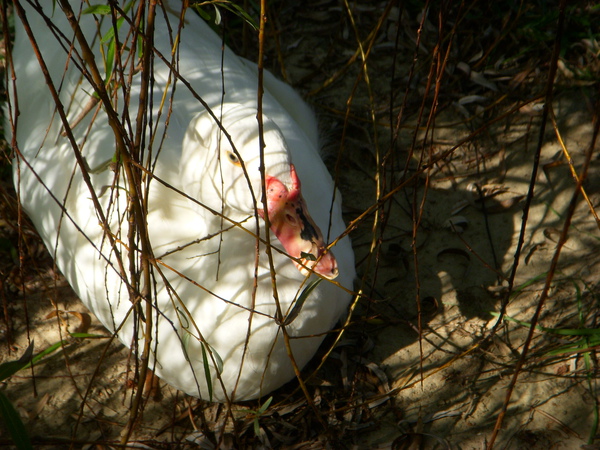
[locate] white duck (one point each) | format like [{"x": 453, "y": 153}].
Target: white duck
[{"x": 203, "y": 300}]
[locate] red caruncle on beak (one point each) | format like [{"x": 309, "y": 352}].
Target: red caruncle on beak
[{"x": 292, "y": 224}]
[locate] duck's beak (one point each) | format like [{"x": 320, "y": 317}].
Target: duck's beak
[{"x": 295, "y": 229}]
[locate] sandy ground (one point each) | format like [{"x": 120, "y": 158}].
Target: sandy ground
[{"x": 390, "y": 382}]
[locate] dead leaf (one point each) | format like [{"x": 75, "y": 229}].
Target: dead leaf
[
  {"x": 459, "y": 206},
  {"x": 39, "y": 406},
  {"x": 458, "y": 224},
  {"x": 562, "y": 370},
  {"x": 476, "y": 77},
  {"x": 467, "y": 99},
  {"x": 552, "y": 234},
  {"x": 503, "y": 205},
  {"x": 85, "y": 319}
]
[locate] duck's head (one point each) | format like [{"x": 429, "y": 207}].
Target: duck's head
[{"x": 223, "y": 171}]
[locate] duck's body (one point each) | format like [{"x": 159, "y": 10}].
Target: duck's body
[{"x": 204, "y": 300}]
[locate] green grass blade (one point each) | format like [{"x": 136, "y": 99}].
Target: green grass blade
[
  {"x": 300, "y": 302},
  {"x": 88, "y": 336},
  {"x": 560, "y": 331},
  {"x": 517, "y": 290},
  {"x": 101, "y": 10},
  {"x": 9, "y": 368},
  {"x": 207, "y": 371},
  {"x": 14, "y": 424},
  {"x": 265, "y": 405}
]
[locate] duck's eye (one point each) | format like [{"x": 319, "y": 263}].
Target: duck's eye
[{"x": 233, "y": 158}]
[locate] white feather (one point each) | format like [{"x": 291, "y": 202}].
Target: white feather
[{"x": 217, "y": 311}]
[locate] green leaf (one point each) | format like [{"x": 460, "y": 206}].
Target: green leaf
[
  {"x": 88, "y": 336},
  {"x": 185, "y": 344},
  {"x": 259, "y": 413},
  {"x": 217, "y": 16},
  {"x": 300, "y": 302},
  {"x": 581, "y": 346},
  {"x": 202, "y": 13},
  {"x": 110, "y": 34},
  {"x": 103, "y": 10},
  {"x": 183, "y": 319},
  {"x": 14, "y": 424},
  {"x": 256, "y": 427},
  {"x": 45, "y": 352},
  {"x": 308, "y": 256},
  {"x": 9, "y": 368},
  {"x": 229, "y": 6},
  {"x": 110, "y": 58},
  {"x": 41, "y": 355},
  {"x": 207, "y": 371},
  {"x": 528, "y": 283},
  {"x": 239, "y": 11},
  {"x": 559, "y": 331},
  {"x": 210, "y": 358},
  {"x": 264, "y": 406}
]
